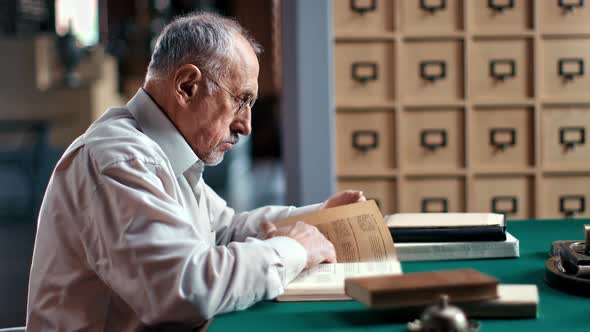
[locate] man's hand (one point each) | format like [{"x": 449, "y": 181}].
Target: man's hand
[
  {"x": 343, "y": 198},
  {"x": 318, "y": 248}
]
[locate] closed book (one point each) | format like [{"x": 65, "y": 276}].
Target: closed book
[
  {"x": 413, "y": 289},
  {"x": 428, "y": 251},
  {"x": 449, "y": 234},
  {"x": 514, "y": 301}
]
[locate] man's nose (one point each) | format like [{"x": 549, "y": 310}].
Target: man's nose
[{"x": 242, "y": 122}]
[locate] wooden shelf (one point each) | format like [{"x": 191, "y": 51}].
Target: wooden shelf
[
  {"x": 366, "y": 174},
  {"x": 433, "y": 103},
  {"x": 566, "y": 170},
  {"x": 502, "y": 171},
  {"x": 364, "y": 37},
  {"x": 358, "y": 106},
  {"x": 434, "y": 36},
  {"x": 502, "y": 34},
  {"x": 564, "y": 101},
  {"x": 493, "y": 102},
  {"x": 434, "y": 172}
]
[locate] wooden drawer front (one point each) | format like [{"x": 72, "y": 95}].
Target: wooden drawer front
[
  {"x": 502, "y": 138},
  {"x": 433, "y": 195},
  {"x": 363, "y": 16},
  {"x": 383, "y": 191},
  {"x": 364, "y": 72},
  {"x": 512, "y": 196},
  {"x": 501, "y": 15},
  {"x": 565, "y": 68},
  {"x": 433, "y": 139},
  {"x": 563, "y": 15},
  {"x": 433, "y": 70},
  {"x": 566, "y": 196},
  {"x": 564, "y": 136},
  {"x": 365, "y": 142},
  {"x": 501, "y": 70},
  {"x": 439, "y": 16}
]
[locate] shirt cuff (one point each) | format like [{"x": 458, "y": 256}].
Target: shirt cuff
[
  {"x": 305, "y": 209},
  {"x": 292, "y": 254}
]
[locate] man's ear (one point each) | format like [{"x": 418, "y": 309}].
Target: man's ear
[{"x": 186, "y": 83}]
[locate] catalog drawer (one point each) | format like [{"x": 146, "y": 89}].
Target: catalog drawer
[
  {"x": 363, "y": 16},
  {"x": 502, "y": 137},
  {"x": 365, "y": 142},
  {"x": 433, "y": 139},
  {"x": 364, "y": 72},
  {"x": 501, "y": 70},
  {"x": 433, "y": 71},
  {"x": 428, "y": 16},
  {"x": 512, "y": 196},
  {"x": 565, "y": 68},
  {"x": 433, "y": 194},
  {"x": 563, "y": 15},
  {"x": 565, "y": 197},
  {"x": 501, "y": 15},
  {"x": 383, "y": 191},
  {"x": 564, "y": 137}
]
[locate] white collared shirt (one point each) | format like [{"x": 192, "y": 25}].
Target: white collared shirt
[{"x": 130, "y": 236}]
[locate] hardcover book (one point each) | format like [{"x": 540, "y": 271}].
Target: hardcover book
[{"x": 363, "y": 244}]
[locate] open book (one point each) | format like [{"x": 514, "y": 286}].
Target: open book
[{"x": 364, "y": 247}]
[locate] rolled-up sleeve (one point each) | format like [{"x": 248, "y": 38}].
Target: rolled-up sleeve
[{"x": 143, "y": 244}]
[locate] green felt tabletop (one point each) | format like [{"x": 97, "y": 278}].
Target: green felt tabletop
[{"x": 557, "y": 311}]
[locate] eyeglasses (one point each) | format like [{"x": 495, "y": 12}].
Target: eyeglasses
[{"x": 242, "y": 103}]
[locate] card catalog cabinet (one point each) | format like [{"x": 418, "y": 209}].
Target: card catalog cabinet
[{"x": 456, "y": 105}]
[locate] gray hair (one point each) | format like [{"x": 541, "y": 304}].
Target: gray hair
[{"x": 203, "y": 39}]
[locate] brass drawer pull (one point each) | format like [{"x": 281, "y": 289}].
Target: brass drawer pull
[
  {"x": 433, "y": 139},
  {"x": 502, "y": 69},
  {"x": 440, "y": 202},
  {"x": 433, "y": 75},
  {"x": 432, "y": 8},
  {"x": 499, "y": 204},
  {"x": 500, "y": 6},
  {"x": 572, "y": 136},
  {"x": 570, "y": 5},
  {"x": 361, "y": 144},
  {"x": 502, "y": 138},
  {"x": 569, "y": 73},
  {"x": 371, "y": 7},
  {"x": 569, "y": 205},
  {"x": 359, "y": 71}
]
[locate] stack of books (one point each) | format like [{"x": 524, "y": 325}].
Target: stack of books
[{"x": 446, "y": 236}]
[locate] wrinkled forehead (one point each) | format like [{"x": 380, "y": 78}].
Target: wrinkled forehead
[{"x": 244, "y": 67}]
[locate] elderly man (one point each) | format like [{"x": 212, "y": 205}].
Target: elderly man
[{"x": 129, "y": 235}]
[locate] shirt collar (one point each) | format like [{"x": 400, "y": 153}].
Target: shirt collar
[{"x": 156, "y": 125}]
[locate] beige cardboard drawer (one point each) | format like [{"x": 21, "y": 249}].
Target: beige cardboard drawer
[
  {"x": 501, "y": 70},
  {"x": 565, "y": 68},
  {"x": 433, "y": 139},
  {"x": 433, "y": 194},
  {"x": 512, "y": 196},
  {"x": 365, "y": 142},
  {"x": 364, "y": 72},
  {"x": 502, "y": 138},
  {"x": 563, "y": 15},
  {"x": 493, "y": 16},
  {"x": 565, "y": 197},
  {"x": 433, "y": 71},
  {"x": 428, "y": 16},
  {"x": 564, "y": 138},
  {"x": 383, "y": 191},
  {"x": 363, "y": 16}
]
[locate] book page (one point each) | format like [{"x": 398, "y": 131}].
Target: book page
[
  {"x": 357, "y": 231},
  {"x": 330, "y": 277}
]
